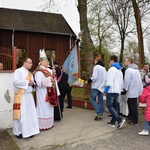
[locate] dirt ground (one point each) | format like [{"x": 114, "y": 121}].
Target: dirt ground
[{"x": 6, "y": 142}]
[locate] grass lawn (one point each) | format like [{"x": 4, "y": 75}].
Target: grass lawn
[
  {"x": 80, "y": 93},
  {"x": 6, "y": 142}
]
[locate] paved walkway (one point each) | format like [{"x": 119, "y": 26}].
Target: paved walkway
[{"x": 79, "y": 131}]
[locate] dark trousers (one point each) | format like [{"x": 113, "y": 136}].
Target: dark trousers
[
  {"x": 69, "y": 97},
  {"x": 61, "y": 99},
  {"x": 57, "y": 113},
  {"x": 59, "y": 109},
  {"x": 133, "y": 110}
]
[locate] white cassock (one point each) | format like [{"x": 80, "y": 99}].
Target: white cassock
[
  {"x": 45, "y": 111},
  {"x": 28, "y": 123},
  {"x": 123, "y": 104}
]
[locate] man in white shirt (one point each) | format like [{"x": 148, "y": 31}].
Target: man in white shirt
[
  {"x": 98, "y": 77},
  {"x": 114, "y": 84},
  {"x": 134, "y": 87}
]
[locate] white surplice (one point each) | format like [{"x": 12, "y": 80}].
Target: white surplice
[
  {"x": 45, "y": 110},
  {"x": 123, "y": 104},
  {"x": 28, "y": 123}
]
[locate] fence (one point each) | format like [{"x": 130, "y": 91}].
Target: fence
[{"x": 8, "y": 58}]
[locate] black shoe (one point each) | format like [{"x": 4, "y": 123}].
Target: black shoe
[
  {"x": 121, "y": 124},
  {"x": 19, "y": 136},
  {"x": 132, "y": 123},
  {"x": 57, "y": 119},
  {"x": 98, "y": 117},
  {"x": 128, "y": 121},
  {"x": 31, "y": 136},
  {"x": 69, "y": 107},
  {"x": 111, "y": 124}
]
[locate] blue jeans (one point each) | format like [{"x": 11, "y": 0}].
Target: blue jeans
[
  {"x": 112, "y": 105},
  {"x": 99, "y": 107},
  {"x": 146, "y": 126}
]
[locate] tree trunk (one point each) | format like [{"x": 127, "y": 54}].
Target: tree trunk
[
  {"x": 122, "y": 50},
  {"x": 86, "y": 38},
  {"x": 140, "y": 33}
]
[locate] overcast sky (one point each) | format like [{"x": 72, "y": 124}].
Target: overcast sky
[{"x": 65, "y": 7}]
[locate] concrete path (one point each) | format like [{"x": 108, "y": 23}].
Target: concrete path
[{"x": 79, "y": 131}]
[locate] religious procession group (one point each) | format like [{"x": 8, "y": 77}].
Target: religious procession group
[
  {"x": 125, "y": 87},
  {"x": 34, "y": 113}
]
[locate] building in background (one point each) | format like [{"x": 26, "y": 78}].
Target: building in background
[{"x": 31, "y": 31}]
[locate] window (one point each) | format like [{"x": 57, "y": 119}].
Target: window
[
  {"x": 20, "y": 56},
  {"x": 50, "y": 55}
]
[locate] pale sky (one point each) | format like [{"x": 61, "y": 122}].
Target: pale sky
[{"x": 65, "y": 7}]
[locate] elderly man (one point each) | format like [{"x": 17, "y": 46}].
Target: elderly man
[{"x": 46, "y": 95}]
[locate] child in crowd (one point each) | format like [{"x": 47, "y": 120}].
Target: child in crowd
[{"x": 145, "y": 98}]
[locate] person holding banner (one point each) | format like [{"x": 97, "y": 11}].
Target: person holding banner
[
  {"x": 25, "y": 124},
  {"x": 68, "y": 89},
  {"x": 61, "y": 85},
  {"x": 98, "y": 77}
]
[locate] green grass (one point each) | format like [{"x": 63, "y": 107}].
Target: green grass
[
  {"x": 79, "y": 93},
  {"x": 6, "y": 142}
]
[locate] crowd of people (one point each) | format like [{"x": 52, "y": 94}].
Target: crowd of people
[{"x": 123, "y": 85}]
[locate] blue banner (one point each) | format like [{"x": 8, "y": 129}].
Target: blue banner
[{"x": 71, "y": 65}]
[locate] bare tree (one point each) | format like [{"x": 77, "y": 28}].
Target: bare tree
[
  {"x": 48, "y": 5},
  {"x": 99, "y": 24},
  {"x": 138, "y": 15},
  {"x": 120, "y": 11},
  {"x": 139, "y": 31},
  {"x": 148, "y": 49},
  {"x": 132, "y": 51}
]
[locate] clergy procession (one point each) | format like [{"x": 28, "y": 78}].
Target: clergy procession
[
  {"x": 33, "y": 113},
  {"x": 39, "y": 97}
]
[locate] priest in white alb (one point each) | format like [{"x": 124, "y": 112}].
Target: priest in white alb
[{"x": 25, "y": 124}]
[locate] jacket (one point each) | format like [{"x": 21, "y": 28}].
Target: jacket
[
  {"x": 98, "y": 76},
  {"x": 132, "y": 81},
  {"x": 145, "y": 98},
  {"x": 114, "y": 82}
]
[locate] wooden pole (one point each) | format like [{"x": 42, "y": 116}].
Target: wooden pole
[
  {"x": 14, "y": 58},
  {"x": 139, "y": 39}
]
